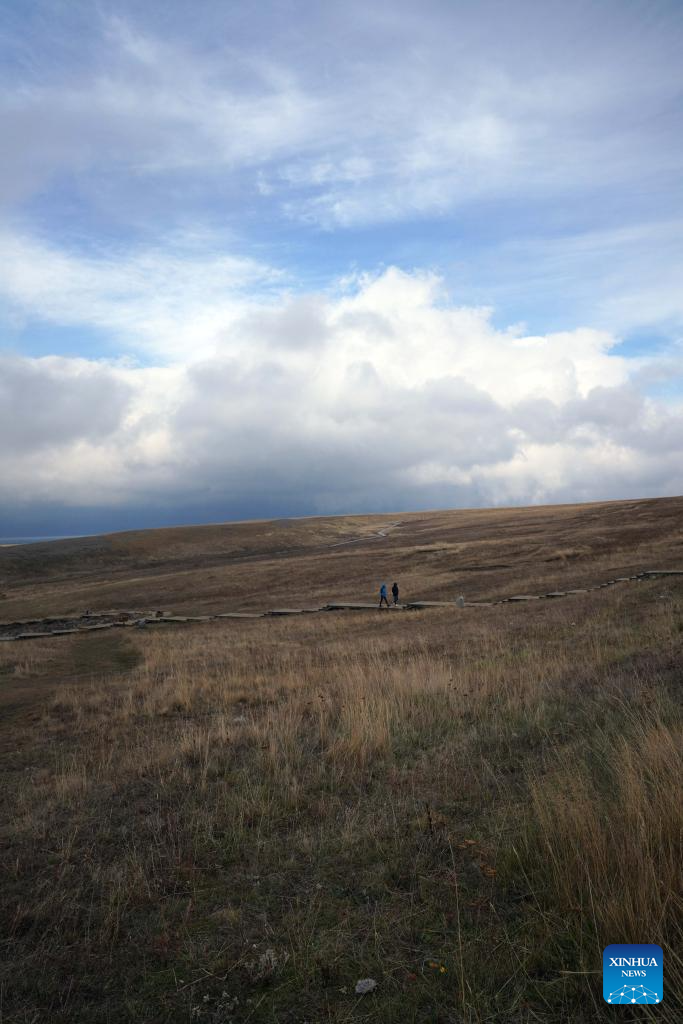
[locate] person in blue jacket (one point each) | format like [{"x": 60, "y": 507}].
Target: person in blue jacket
[{"x": 383, "y": 595}]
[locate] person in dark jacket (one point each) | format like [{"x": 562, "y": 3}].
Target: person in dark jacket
[
  {"x": 383, "y": 595},
  {"x": 394, "y": 591}
]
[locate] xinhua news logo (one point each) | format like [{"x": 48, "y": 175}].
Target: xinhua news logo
[{"x": 632, "y": 973}]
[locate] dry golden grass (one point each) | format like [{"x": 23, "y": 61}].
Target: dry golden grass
[
  {"x": 465, "y": 807},
  {"x": 480, "y": 553},
  {"x": 25, "y": 659},
  {"x": 616, "y": 817}
]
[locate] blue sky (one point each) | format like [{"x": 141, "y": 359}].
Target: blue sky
[{"x": 291, "y": 257}]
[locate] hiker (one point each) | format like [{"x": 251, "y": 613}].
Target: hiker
[
  {"x": 383, "y": 595},
  {"x": 394, "y": 591}
]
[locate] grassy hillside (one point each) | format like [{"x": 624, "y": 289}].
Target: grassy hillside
[
  {"x": 480, "y": 553},
  {"x": 239, "y": 820}
]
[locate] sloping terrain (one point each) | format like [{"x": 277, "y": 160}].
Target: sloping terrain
[
  {"x": 480, "y": 553},
  {"x": 239, "y": 820}
]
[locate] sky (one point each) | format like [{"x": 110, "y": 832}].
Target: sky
[{"x": 295, "y": 258}]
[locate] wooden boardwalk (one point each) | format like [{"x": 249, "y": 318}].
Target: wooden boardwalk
[{"x": 37, "y": 629}]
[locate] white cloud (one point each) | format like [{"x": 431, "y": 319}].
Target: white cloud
[
  {"x": 530, "y": 140},
  {"x": 151, "y": 106},
  {"x": 381, "y": 395},
  {"x": 364, "y": 118},
  {"x": 170, "y": 299},
  {"x": 47, "y": 404}
]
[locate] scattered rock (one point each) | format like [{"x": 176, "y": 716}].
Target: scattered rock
[
  {"x": 365, "y": 985},
  {"x": 267, "y": 964}
]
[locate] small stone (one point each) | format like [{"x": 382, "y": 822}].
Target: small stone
[{"x": 365, "y": 985}]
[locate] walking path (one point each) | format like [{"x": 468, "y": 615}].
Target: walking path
[
  {"x": 32, "y": 629},
  {"x": 381, "y": 534}
]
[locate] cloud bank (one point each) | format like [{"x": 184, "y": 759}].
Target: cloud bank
[
  {"x": 381, "y": 395},
  {"x": 190, "y": 208}
]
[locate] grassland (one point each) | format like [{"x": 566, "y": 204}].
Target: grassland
[
  {"x": 482, "y": 553},
  {"x": 237, "y": 821}
]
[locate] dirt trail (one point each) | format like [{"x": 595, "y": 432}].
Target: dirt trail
[{"x": 377, "y": 535}]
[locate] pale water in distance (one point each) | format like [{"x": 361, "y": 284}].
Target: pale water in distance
[{"x": 4, "y": 541}]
